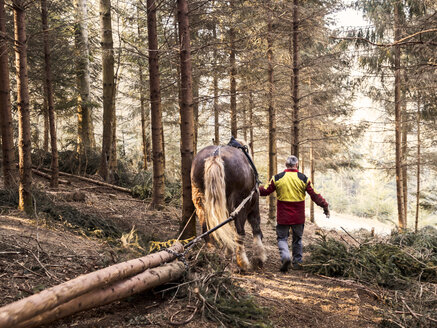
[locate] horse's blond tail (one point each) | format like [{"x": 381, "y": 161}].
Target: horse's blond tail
[{"x": 215, "y": 201}]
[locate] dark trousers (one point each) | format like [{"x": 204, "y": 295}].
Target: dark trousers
[{"x": 282, "y": 233}]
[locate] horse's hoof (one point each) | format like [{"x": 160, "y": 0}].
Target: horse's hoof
[{"x": 257, "y": 263}]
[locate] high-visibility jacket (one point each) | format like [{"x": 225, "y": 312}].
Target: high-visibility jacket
[{"x": 291, "y": 186}]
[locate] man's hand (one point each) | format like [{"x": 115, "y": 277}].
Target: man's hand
[{"x": 326, "y": 212}]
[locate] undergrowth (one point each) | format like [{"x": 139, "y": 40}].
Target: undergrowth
[
  {"x": 79, "y": 222},
  {"x": 403, "y": 264},
  {"x": 211, "y": 292}
]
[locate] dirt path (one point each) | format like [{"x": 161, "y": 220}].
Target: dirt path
[{"x": 295, "y": 299}]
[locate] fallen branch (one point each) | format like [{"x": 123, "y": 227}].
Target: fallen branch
[
  {"x": 141, "y": 282},
  {"x": 48, "y": 176},
  {"x": 22, "y": 310},
  {"x": 100, "y": 183}
]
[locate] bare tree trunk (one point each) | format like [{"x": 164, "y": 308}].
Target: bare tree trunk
[
  {"x": 196, "y": 98},
  {"x": 295, "y": 92},
  {"x": 50, "y": 102},
  {"x": 45, "y": 144},
  {"x": 416, "y": 223},
  {"x": 155, "y": 101},
  {"x": 5, "y": 107},
  {"x": 272, "y": 120},
  {"x": 108, "y": 85},
  {"x": 24, "y": 142},
  {"x": 312, "y": 180},
  {"x": 215, "y": 86},
  {"x": 233, "y": 83},
  {"x": 85, "y": 128},
  {"x": 244, "y": 123},
  {"x": 251, "y": 108},
  {"x": 398, "y": 118},
  {"x": 187, "y": 121},
  {"x": 144, "y": 125},
  {"x": 404, "y": 155}
]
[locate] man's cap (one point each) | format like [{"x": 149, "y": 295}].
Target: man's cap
[{"x": 291, "y": 160}]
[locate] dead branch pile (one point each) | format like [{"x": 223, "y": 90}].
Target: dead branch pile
[
  {"x": 403, "y": 265},
  {"x": 211, "y": 293}
]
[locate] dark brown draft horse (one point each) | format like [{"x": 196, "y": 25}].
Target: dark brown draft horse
[{"x": 221, "y": 178}]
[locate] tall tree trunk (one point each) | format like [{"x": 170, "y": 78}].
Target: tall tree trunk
[
  {"x": 312, "y": 180},
  {"x": 245, "y": 123},
  {"x": 196, "y": 81},
  {"x": 295, "y": 92},
  {"x": 85, "y": 128},
  {"x": 155, "y": 101},
  {"x": 215, "y": 86},
  {"x": 5, "y": 106},
  {"x": 49, "y": 95},
  {"x": 404, "y": 155},
  {"x": 251, "y": 108},
  {"x": 397, "y": 56},
  {"x": 45, "y": 144},
  {"x": 144, "y": 124},
  {"x": 272, "y": 120},
  {"x": 233, "y": 83},
  {"x": 24, "y": 142},
  {"x": 108, "y": 85},
  {"x": 416, "y": 223},
  {"x": 187, "y": 121}
]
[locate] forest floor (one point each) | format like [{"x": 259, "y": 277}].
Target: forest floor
[{"x": 38, "y": 253}]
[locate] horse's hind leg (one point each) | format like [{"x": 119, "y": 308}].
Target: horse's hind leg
[
  {"x": 259, "y": 252},
  {"x": 242, "y": 260}
]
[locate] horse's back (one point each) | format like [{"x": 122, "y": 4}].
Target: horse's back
[{"x": 238, "y": 173}]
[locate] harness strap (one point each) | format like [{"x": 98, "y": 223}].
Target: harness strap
[{"x": 234, "y": 143}]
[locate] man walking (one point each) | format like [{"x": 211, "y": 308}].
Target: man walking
[{"x": 290, "y": 186}]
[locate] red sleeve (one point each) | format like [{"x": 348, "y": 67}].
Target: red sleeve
[
  {"x": 316, "y": 198},
  {"x": 271, "y": 188}
]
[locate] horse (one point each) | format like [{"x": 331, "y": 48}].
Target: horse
[{"x": 221, "y": 178}]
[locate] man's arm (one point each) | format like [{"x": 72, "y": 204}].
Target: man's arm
[
  {"x": 316, "y": 197},
  {"x": 271, "y": 188}
]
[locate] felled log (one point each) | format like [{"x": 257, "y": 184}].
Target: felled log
[
  {"x": 22, "y": 310},
  {"x": 69, "y": 196},
  {"x": 119, "y": 290},
  {"x": 97, "y": 182},
  {"x": 48, "y": 176}
]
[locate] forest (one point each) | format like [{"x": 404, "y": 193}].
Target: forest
[{"x": 105, "y": 104}]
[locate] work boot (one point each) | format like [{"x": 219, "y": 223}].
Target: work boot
[
  {"x": 297, "y": 266},
  {"x": 285, "y": 265}
]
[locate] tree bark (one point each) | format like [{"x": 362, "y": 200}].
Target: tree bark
[
  {"x": 404, "y": 156},
  {"x": 49, "y": 95},
  {"x": 187, "y": 121},
  {"x": 108, "y": 85},
  {"x": 416, "y": 223},
  {"x": 233, "y": 83},
  {"x": 196, "y": 80},
  {"x": 22, "y": 310},
  {"x": 251, "y": 142},
  {"x": 155, "y": 101},
  {"x": 45, "y": 144},
  {"x": 5, "y": 107},
  {"x": 397, "y": 55},
  {"x": 144, "y": 124},
  {"x": 215, "y": 86},
  {"x": 272, "y": 119},
  {"x": 312, "y": 180},
  {"x": 143, "y": 281},
  {"x": 85, "y": 128},
  {"x": 295, "y": 83},
  {"x": 24, "y": 141}
]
